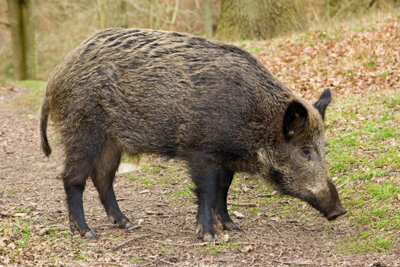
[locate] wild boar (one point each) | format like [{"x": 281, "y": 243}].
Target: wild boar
[{"x": 176, "y": 95}]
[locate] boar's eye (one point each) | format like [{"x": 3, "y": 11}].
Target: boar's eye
[{"x": 306, "y": 152}]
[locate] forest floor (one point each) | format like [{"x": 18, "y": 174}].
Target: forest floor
[{"x": 361, "y": 63}]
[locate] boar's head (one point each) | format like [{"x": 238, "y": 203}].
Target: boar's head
[{"x": 296, "y": 162}]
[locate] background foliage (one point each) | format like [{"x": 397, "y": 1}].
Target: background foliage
[{"x": 62, "y": 24}]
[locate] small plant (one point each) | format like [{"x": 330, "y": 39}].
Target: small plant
[
  {"x": 221, "y": 247},
  {"x": 11, "y": 191},
  {"x": 82, "y": 256}
]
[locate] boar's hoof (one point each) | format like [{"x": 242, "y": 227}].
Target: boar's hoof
[
  {"x": 207, "y": 237},
  {"x": 124, "y": 223},
  {"x": 198, "y": 229},
  {"x": 230, "y": 226},
  {"x": 91, "y": 235},
  {"x": 127, "y": 225},
  {"x": 112, "y": 219}
]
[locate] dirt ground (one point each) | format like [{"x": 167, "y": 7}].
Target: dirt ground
[{"x": 35, "y": 226}]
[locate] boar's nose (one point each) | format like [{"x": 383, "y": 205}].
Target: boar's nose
[{"x": 336, "y": 213}]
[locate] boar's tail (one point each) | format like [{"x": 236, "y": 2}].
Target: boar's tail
[{"x": 43, "y": 128}]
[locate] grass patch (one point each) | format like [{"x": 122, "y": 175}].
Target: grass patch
[
  {"x": 385, "y": 191},
  {"x": 181, "y": 195},
  {"x": 221, "y": 247},
  {"x": 84, "y": 256},
  {"x": 31, "y": 99},
  {"x": 363, "y": 153},
  {"x": 11, "y": 191},
  {"x": 366, "y": 242}
]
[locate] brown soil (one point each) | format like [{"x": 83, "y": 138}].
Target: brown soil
[{"x": 31, "y": 194}]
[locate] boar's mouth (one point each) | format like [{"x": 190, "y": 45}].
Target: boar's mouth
[
  {"x": 330, "y": 213},
  {"x": 327, "y": 202}
]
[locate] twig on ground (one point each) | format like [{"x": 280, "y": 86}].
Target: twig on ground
[
  {"x": 243, "y": 204},
  {"x": 292, "y": 263},
  {"x": 275, "y": 228},
  {"x": 252, "y": 261},
  {"x": 172, "y": 244},
  {"x": 266, "y": 195},
  {"x": 167, "y": 262},
  {"x": 201, "y": 244},
  {"x": 105, "y": 264},
  {"x": 129, "y": 241}
]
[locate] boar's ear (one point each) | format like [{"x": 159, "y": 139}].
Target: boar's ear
[
  {"x": 294, "y": 120},
  {"x": 323, "y": 102}
]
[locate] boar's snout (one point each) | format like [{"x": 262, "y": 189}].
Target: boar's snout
[
  {"x": 334, "y": 208},
  {"x": 336, "y": 213},
  {"x": 327, "y": 202}
]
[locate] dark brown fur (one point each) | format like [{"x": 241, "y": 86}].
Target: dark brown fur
[{"x": 176, "y": 95}]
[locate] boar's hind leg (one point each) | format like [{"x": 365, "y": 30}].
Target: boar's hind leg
[
  {"x": 103, "y": 175},
  {"x": 205, "y": 176},
  {"x": 79, "y": 157},
  {"x": 220, "y": 207}
]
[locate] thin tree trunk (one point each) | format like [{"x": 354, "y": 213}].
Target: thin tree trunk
[
  {"x": 208, "y": 30},
  {"x": 176, "y": 9},
  {"x": 22, "y": 24},
  {"x": 123, "y": 14},
  {"x": 101, "y": 13},
  {"x": 154, "y": 16},
  {"x": 260, "y": 19}
]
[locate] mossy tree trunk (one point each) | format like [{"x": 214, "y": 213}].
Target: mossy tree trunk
[
  {"x": 22, "y": 24},
  {"x": 260, "y": 19}
]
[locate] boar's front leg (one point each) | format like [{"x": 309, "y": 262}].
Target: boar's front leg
[
  {"x": 220, "y": 207},
  {"x": 205, "y": 176}
]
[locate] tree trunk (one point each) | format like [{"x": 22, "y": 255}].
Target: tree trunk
[
  {"x": 101, "y": 13},
  {"x": 208, "y": 30},
  {"x": 154, "y": 15},
  {"x": 22, "y": 24},
  {"x": 260, "y": 19},
  {"x": 123, "y": 15},
  {"x": 174, "y": 14}
]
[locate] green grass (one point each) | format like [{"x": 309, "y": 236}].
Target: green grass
[
  {"x": 182, "y": 195},
  {"x": 135, "y": 260},
  {"x": 363, "y": 152},
  {"x": 221, "y": 247},
  {"x": 31, "y": 100},
  {"x": 365, "y": 242},
  {"x": 18, "y": 236},
  {"x": 11, "y": 191},
  {"x": 184, "y": 192},
  {"x": 84, "y": 256}
]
